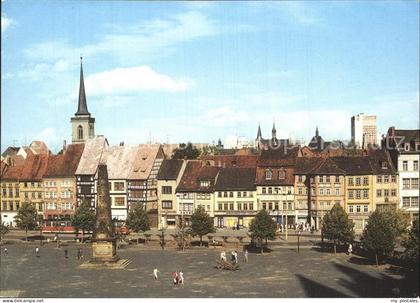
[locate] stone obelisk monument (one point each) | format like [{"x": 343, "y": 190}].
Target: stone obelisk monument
[{"x": 104, "y": 253}]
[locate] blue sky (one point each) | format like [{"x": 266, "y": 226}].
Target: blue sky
[{"x": 199, "y": 71}]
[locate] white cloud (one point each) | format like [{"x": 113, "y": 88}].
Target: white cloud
[
  {"x": 133, "y": 80},
  {"x": 6, "y": 23},
  {"x": 51, "y": 137},
  {"x": 134, "y": 43},
  {"x": 223, "y": 116},
  {"x": 42, "y": 71}
]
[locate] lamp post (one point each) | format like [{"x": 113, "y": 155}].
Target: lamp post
[{"x": 298, "y": 234}]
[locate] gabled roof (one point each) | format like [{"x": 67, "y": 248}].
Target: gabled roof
[
  {"x": 65, "y": 164},
  {"x": 11, "y": 150},
  {"x": 39, "y": 147},
  {"x": 169, "y": 169},
  {"x": 144, "y": 160},
  {"x": 194, "y": 173},
  {"x": 260, "y": 178},
  {"x": 354, "y": 165},
  {"x": 235, "y": 178},
  {"x": 34, "y": 167},
  {"x": 91, "y": 156},
  {"x": 285, "y": 156},
  {"x": 119, "y": 160},
  {"x": 377, "y": 158}
]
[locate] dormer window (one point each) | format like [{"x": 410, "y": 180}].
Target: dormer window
[
  {"x": 268, "y": 174},
  {"x": 282, "y": 174},
  {"x": 204, "y": 184},
  {"x": 407, "y": 146},
  {"x": 384, "y": 165}
]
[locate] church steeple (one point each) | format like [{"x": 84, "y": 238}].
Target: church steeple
[
  {"x": 82, "y": 106},
  {"x": 259, "y": 135},
  {"x": 274, "y": 131},
  {"x": 316, "y": 132}
]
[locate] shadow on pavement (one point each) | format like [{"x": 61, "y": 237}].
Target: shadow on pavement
[{"x": 316, "y": 290}]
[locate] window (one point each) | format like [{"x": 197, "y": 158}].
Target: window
[
  {"x": 393, "y": 179},
  {"x": 300, "y": 179},
  {"x": 167, "y": 190},
  {"x": 270, "y": 206},
  {"x": 239, "y": 194},
  {"x": 219, "y": 206},
  {"x": 327, "y": 179},
  {"x": 119, "y": 201},
  {"x": 365, "y": 208},
  {"x": 225, "y": 194},
  {"x": 300, "y": 190},
  {"x": 231, "y": 194},
  {"x": 39, "y": 195},
  {"x": 337, "y": 191},
  {"x": 327, "y": 191},
  {"x": 386, "y": 179},
  {"x": 386, "y": 192},
  {"x": 350, "y": 181},
  {"x": 365, "y": 194},
  {"x": 321, "y": 191},
  {"x": 33, "y": 195},
  {"x": 118, "y": 186},
  {"x": 406, "y": 183},
  {"x": 379, "y": 179},
  {"x": 350, "y": 208},
  {"x": 244, "y": 194},
  {"x": 337, "y": 179},
  {"x": 414, "y": 201},
  {"x": 17, "y": 191},
  {"x": 25, "y": 185},
  {"x": 270, "y": 190},
  {"x": 245, "y": 206},
  {"x": 282, "y": 174},
  {"x": 365, "y": 181},
  {"x": 66, "y": 205},
  {"x": 230, "y": 206},
  {"x": 379, "y": 193},
  {"x": 321, "y": 179},
  {"x": 405, "y": 165},
  {"x": 268, "y": 174},
  {"x": 393, "y": 192},
  {"x": 416, "y": 165},
  {"x": 166, "y": 204},
  {"x": 358, "y": 194},
  {"x": 26, "y": 195},
  {"x": 284, "y": 205},
  {"x": 264, "y": 205},
  {"x": 204, "y": 183},
  {"x": 264, "y": 190},
  {"x": 219, "y": 194},
  {"x": 289, "y": 206},
  {"x": 251, "y": 206},
  {"x": 358, "y": 208},
  {"x": 406, "y": 201},
  {"x": 4, "y": 192},
  {"x": 358, "y": 181},
  {"x": 414, "y": 183},
  {"x": 384, "y": 165},
  {"x": 80, "y": 132}
]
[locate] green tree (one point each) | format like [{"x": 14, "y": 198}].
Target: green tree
[
  {"x": 4, "y": 229},
  {"x": 26, "y": 218},
  {"x": 263, "y": 227},
  {"x": 201, "y": 224},
  {"x": 411, "y": 245},
  {"x": 137, "y": 219},
  {"x": 84, "y": 218},
  {"x": 383, "y": 230},
  {"x": 182, "y": 235},
  {"x": 336, "y": 226},
  {"x": 186, "y": 151}
]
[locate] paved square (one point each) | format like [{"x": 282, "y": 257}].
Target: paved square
[{"x": 282, "y": 273}]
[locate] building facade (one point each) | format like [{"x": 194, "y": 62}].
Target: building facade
[{"x": 364, "y": 130}]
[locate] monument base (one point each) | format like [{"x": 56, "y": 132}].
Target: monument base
[{"x": 104, "y": 255}]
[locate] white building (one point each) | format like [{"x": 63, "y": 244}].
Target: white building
[
  {"x": 363, "y": 130},
  {"x": 404, "y": 146}
]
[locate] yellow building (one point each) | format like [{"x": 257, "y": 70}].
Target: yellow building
[{"x": 9, "y": 196}]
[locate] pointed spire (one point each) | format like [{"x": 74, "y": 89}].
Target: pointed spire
[
  {"x": 82, "y": 106},
  {"x": 259, "y": 132},
  {"x": 273, "y": 132},
  {"x": 317, "y": 132}
]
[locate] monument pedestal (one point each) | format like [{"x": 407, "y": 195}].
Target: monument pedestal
[{"x": 104, "y": 255}]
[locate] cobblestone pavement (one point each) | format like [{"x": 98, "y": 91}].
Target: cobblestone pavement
[{"x": 281, "y": 273}]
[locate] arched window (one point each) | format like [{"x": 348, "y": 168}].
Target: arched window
[
  {"x": 282, "y": 174},
  {"x": 268, "y": 174},
  {"x": 80, "y": 132}
]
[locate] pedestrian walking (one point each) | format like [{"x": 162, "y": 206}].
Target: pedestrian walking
[
  {"x": 246, "y": 255},
  {"x": 155, "y": 274},
  {"x": 235, "y": 256},
  {"x": 6, "y": 252},
  {"x": 350, "y": 249},
  {"x": 223, "y": 256},
  {"x": 175, "y": 277},
  {"x": 181, "y": 277},
  {"x": 79, "y": 253},
  {"x": 66, "y": 253},
  {"x": 37, "y": 251},
  {"x": 232, "y": 257}
]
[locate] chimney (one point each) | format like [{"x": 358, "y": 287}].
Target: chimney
[
  {"x": 122, "y": 143},
  {"x": 64, "y": 146}
]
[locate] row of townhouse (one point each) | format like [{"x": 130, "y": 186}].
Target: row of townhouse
[
  {"x": 293, "y": 185},
  {"x": 56, "y": 184}
]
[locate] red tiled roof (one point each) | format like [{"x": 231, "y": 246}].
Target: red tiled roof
[
  {"x": 275, "y": 180},
  {"x": 193, "y": 173},
  {"x": 34, "y": 167},
  {"x": 231, "y": 160},
  {"x": 12, "y": 173},
  {"x": 65, "y": 164}
]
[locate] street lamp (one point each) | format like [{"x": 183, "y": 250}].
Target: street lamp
[
  {"x": 298, "y": 234},
  {"x": 162, "y": 238}
]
